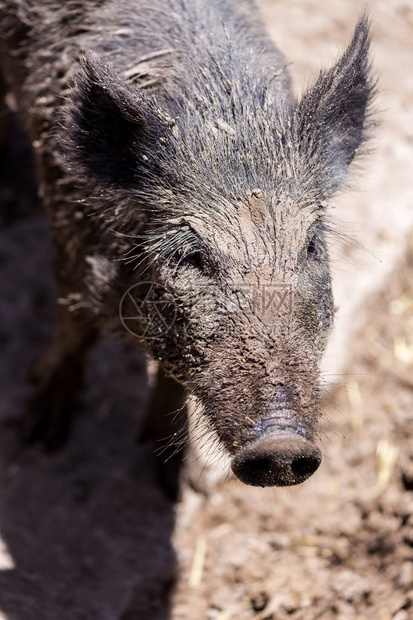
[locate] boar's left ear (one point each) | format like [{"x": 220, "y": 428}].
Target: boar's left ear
[
  {"x": 113, "y": 128},
  {"x": 332, "y": 116}
]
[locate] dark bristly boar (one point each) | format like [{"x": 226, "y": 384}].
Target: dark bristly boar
[{"x": 181, "y": 176}]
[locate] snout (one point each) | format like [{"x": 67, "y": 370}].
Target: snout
[{"x": 278, "y": 459}]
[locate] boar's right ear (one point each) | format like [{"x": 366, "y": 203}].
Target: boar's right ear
[
  {"x": 332, "y": 117},
  {"x": 113, "y": 127}
]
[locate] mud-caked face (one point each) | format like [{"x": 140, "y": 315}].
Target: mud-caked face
[
  {"x": 254, "y": 308},
  {"x": 267, "y": 264}
]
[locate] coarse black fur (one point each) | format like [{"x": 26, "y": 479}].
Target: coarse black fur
[{"x": 171, "y": 149}]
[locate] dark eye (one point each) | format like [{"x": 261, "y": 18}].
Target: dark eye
[
  {"x": 312, "y": 248},
  {"x": 193, "y": 259}
]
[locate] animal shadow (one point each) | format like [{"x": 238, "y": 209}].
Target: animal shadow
[{"x": 85, "y": 533}]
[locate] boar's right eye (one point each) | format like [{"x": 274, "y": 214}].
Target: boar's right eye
[{"x": 195, "y": 260}]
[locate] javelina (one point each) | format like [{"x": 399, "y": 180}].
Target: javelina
[{"x": 166, "y": 134}]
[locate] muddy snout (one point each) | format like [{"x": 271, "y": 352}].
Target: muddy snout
[{"x": 277, "y": 459}]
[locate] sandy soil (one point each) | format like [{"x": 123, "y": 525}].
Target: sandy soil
[{"x": 86, "y": 533}]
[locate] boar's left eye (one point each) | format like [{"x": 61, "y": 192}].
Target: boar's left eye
[{"x": 312, "y": 249}]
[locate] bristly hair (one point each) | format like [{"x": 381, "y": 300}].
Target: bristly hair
[
  {"x": 338, "y": 107},
  {"x": 233, "y": 129}
]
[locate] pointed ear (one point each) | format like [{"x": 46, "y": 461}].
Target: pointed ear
[
  {"x": 333, "y": 114},
  {"x": 113, "y": 129}
]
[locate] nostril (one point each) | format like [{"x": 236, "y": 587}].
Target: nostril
[
  {"x": 257, "y": 467},
  {"x": 304, "y": 466},
  {"x": 276, "y": 460}
]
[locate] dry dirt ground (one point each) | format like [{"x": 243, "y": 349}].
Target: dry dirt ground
[{"x": 86, "y": 533}]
